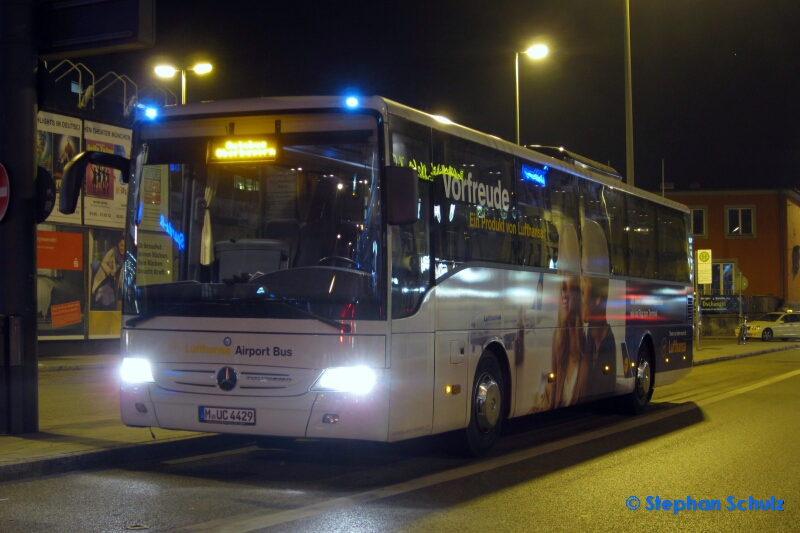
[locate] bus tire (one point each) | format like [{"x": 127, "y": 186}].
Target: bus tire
[
  {"x": 488, "y": 406},
  {"x": 635, "y": 402}
]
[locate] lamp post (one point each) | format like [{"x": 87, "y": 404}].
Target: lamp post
[
  {"x": 167, "y": 71},
  {"x": 628, "y": 98},
  {"x": 537, "y": 51}
]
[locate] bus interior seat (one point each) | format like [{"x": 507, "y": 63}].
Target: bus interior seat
[{"x": 286, "y": 230}]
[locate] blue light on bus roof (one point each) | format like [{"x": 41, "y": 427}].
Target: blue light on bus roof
[
  {"x": 351, "y": 101},
  {"x": 151, "y": 112},
  {"x": 536, "y": 175}
]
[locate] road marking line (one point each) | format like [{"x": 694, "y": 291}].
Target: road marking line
[
  {"x": 747, "y": 388},
  {"x": 258, "y": 520},
  {"x": 210, "y": 455}
]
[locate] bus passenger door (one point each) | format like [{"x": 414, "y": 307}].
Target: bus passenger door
[{"x": 410, "y": 404}]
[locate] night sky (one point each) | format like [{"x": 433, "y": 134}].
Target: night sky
[{"x": 716, "y": 88}]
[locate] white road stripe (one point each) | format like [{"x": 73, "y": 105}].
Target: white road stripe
[
  {"x": 210, "y": 455},
  {"x": 259, "y": 520}
]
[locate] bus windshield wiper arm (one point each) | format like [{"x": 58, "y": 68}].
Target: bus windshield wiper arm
[
  {"x": 344, "y": 328},
  {"x": 133, "y": 322}
]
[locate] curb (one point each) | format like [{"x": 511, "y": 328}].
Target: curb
[
  {"x": 742, "y": 355},
  {"x": 122, "y": 455}
]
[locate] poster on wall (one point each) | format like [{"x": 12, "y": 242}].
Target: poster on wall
[
  {"x": 155, "y": 197},
  {"x": 58, "y": 141},
  {"x": 60, "y": 291},
  {"x": 105, "y": 196},
  {"x": 106, "y": 254}
]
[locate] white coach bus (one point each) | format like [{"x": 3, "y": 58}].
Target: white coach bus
[{"x": 325, "y": 267}]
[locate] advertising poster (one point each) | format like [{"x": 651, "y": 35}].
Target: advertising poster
[
  {"x": 107, "y": 253},
  {"x": 658, "y": 308},
  {"x": 155, "y": 197},
  {"x": 154, "y": 259},
  {"x": 105, "y": 197},
  {"x": 58, "y": 141},
  {"x": 60, "y": 291}
]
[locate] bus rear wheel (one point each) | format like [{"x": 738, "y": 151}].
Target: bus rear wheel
[
  {"x": 635, "y": 402},
  {"x": 488, "y": 406}
]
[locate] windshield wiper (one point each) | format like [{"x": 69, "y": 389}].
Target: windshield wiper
[
  {"x": 133, "y": 322},
  {"x": 344, "y": 328}
]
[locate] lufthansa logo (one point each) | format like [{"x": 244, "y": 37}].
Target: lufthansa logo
[{"x": 226, "y": 378}]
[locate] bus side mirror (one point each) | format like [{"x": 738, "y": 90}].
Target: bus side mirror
[
  {"x": 75, "y": 172},
  {"x": 402, "y": 195}
]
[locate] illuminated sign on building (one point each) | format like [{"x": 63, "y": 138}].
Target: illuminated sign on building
[
  {"x": 241, "y": 150},
  {"x": 176, "y": 235},
  {"x": 536, "y": 175}
]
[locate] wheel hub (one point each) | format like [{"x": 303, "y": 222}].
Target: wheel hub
[
  {"x": 487, "y": 402},
  {"x": 643, "y": 378}
]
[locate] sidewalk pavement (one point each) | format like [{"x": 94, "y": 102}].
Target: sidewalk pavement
[{"x": 79, "y": 425}]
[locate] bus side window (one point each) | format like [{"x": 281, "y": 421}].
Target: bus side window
[
  {"x": 606, "y": 206},
  {"x": 642, "y": 245},
  {"x": 411, "y": 264},
  {"x": 536, "y": 236},
  {"x": 673, "y": 246},
  {"x": 562, "y": 198},
  {"x": 473, "y": 203}
]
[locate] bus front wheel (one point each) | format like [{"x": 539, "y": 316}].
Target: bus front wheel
[{"x": 487, "y": 407}]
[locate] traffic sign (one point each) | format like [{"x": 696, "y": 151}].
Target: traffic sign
[
  {"x": 5, "y": 191},
  {"x": 703, "y": 267}
]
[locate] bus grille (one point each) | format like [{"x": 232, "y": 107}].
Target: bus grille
[
  {"x": 250, "y": 380},
  {"x": 690, "y": 309}
]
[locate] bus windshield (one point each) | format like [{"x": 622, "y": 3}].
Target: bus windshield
[{"x": 269, "y": 216}]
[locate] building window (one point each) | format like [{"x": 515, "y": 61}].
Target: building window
[
  {"x": 722, "y": 278},
  {"x": 699, "y": 226},
  {"x": 741, "y": 221}
]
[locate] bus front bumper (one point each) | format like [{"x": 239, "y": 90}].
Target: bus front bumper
[{"x": 335, "y": 415}]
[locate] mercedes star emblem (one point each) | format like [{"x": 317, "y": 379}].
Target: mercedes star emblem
[{"x": 226, "y": 378}]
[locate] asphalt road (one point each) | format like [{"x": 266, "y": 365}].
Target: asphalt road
[{"x": 727, "y": 430}]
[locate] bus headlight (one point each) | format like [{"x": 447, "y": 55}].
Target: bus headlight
[
  {"x": 136, "y": 370},
  {"x": 355, "y": 379}
]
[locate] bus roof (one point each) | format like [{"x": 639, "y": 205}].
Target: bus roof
[{"x": 386, "y": 107}]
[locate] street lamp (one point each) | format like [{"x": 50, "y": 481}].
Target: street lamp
[
  {"x": 628, "y": 98},
  {"x": 167, "y": 71},
  {"x": 537, "y": 51}
]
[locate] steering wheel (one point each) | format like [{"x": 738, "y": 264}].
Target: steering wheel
[{"x": 335, "y": 258}]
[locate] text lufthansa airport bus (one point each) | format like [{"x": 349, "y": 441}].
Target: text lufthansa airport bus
[{"x": 335, "y": 268}]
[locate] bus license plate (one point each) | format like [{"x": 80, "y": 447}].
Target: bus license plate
[{"x": 225, "y": 415}]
